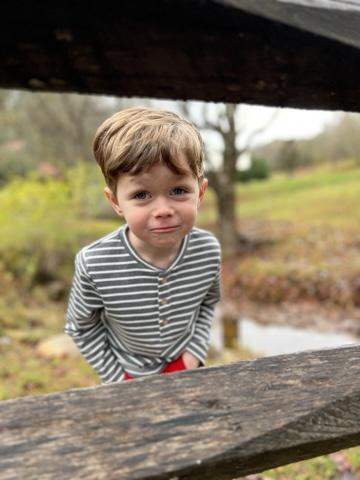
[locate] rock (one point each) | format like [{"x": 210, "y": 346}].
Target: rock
[{"x": 58, "y": 346}]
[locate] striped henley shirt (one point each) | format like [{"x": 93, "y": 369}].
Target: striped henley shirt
[{"x": 125, "y": 314}]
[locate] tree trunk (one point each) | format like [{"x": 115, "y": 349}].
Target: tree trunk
[
  {"x": 226, "y": 200},
  {"x": 226, "y": 194}
]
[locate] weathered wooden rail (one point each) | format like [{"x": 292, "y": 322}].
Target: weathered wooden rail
[{"x": 215, "y": 423}]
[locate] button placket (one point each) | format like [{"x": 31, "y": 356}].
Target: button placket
[{"x": 163, "y": 301}]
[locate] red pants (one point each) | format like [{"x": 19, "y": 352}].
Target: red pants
[{"x": 173, "y": 366}]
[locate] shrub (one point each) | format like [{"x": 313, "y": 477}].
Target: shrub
[
  {"x": 86, "y": 184},
  {"x": 38, "y": 226},
  {"x": 258, "y": 170}
]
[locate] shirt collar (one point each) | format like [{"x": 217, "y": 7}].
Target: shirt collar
[{"x": 133, "y": 252}]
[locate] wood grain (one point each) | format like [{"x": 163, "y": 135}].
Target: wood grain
[
  {"x": 335, "y": 19},
  {"x": 263, "y": 52},
  {"x": 214, "y": 423}
]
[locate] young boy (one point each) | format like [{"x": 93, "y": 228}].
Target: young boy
[{"x": 143, "y": 297}]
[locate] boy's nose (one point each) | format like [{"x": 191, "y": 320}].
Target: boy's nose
[{"x": 162, "y": 209}]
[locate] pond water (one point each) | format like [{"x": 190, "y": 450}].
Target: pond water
[{"x": 279, "y": 339}]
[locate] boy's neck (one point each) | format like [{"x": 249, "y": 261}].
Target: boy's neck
[{"x": 158, "y": 257}]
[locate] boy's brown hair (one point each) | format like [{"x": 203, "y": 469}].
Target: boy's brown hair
[{"x": 137, "y": 138}]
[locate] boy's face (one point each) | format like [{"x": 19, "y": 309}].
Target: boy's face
[{"x": 159, "y": 206}]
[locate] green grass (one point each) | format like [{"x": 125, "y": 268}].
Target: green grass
[{"x": 323, "y": 196}]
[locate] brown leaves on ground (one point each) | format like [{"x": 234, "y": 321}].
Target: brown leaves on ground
[{"x": 303, "y": 265}]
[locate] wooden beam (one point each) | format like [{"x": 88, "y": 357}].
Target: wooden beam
[
  {"x": 182, "y": 49},
  {"x": 214, "y": 423},
  {"x": 335, "y": 19}
]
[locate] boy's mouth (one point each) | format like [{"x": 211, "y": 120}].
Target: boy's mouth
[{"x": 165, "y": 229}]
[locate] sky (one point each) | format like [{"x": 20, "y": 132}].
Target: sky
[
  {"x": 290, "y": 123},
  {"x": 287, "y": 123}
]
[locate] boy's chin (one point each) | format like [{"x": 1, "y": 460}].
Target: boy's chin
[
  {"x": 166, "y": 242},
  {"x": 156, "y": 239}
]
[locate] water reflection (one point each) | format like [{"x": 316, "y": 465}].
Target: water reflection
[{"x": 276, "y": 339}]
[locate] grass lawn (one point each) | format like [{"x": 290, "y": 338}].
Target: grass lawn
[{"x": 323, "y": 196}]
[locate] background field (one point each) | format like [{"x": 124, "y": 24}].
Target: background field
[{"x": 306, "y": 237}]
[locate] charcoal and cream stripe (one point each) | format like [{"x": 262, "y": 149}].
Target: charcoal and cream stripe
[{"x": 126, "y": 314}]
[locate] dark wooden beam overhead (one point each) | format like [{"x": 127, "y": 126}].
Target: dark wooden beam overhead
[
  {"x": 268, "y": 52},
  {"x": 336, "y": 19}
]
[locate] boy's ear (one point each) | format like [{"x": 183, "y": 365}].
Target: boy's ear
[
  {"x": 202, "y": 189},
  {"x": 113, "y": 200}
]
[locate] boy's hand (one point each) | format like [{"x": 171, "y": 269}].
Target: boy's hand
[{"x": 189, "y": 360}]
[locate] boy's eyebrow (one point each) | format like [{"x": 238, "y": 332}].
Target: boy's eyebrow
[{"x": 138, "y": 179}]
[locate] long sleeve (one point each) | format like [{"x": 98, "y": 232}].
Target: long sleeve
[
  {"x": 84, "y": 323},
  {"x": 199, "y": 342}
]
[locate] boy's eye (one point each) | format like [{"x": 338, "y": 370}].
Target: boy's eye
[
  {"x": 178, "y": 191},
  {"x": 141, "y": 195}
]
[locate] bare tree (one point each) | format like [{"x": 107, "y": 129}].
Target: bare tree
[
  {"x": 222, "y": 178},
  {"x": 60, "y": 127}
]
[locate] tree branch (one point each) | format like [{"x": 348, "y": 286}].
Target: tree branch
[{"x": 258, "y": 131}]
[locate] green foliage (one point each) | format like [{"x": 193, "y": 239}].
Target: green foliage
[
  {"x": 38, "y": 225},
  {"x": 258, "y": 170},
  {"x": 86, "y": 185},
  {"x": 13, "y": 164}
]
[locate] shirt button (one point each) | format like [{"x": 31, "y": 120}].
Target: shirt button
[
  {"x": 163, "y": 301},
  {"x": 163, "y": 321},
  {"x": 163, "y": 280}
]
